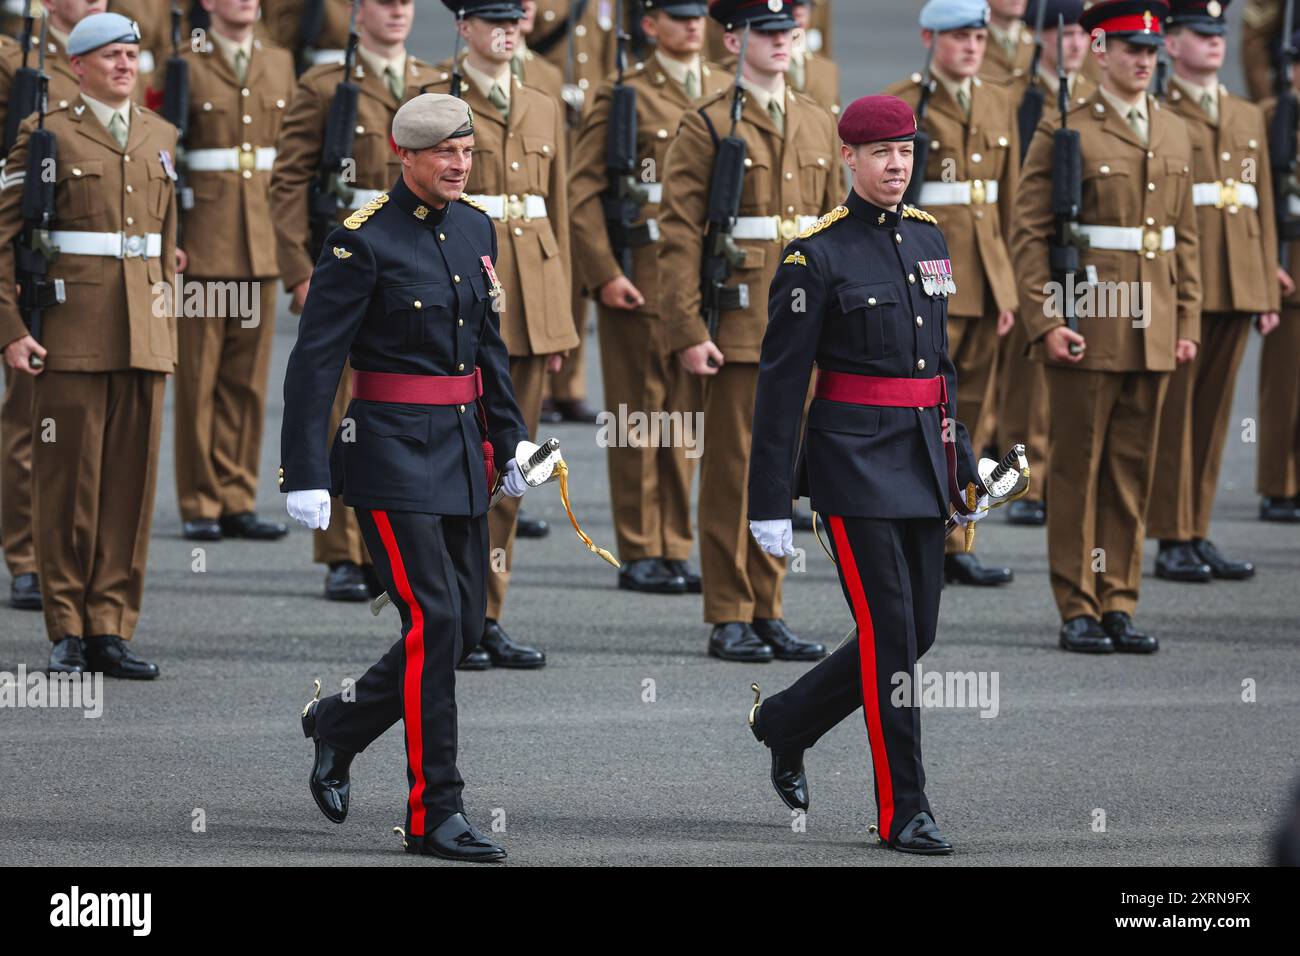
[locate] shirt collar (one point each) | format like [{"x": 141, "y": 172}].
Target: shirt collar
[
  {"x": 484, "y": 82},
  {"x": 402, "y": 197},
  {"x": 378, "y": 63},
  {"x": 1052, "y": 82},
  {"x": 1122, "y": 108},
  {"x": 762, "y": 97},
  {"x": 1006, "y": 37},
  {"x": 229, "y": 47},
  {"x": 104, "y": 113},
  {"x": 953, "y": 86},
  {"x": 679, "y": 70},
  {"x": 59, "y": 35},
  {"x": 1195, "y": 91},
  {"x": 870, "y": 212}
]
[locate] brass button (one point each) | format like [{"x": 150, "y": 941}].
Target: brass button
[
  {"x": 748, "y": 162},
  {"x": 130, "y": 221},
  {"x": 442, "y": 237},
  {"x": 1151, "y": 187},
  {"x": 76, "y": 171},
  {"x": 546, "y": 149},
  {"x": 871, "y": 300},
  {"x": 361, "y": 129},
  {"x": 821, "y": 161},
  {"x": 514, "y": 165},
  {"x": 1105, "y": 170},
  {"x": 279, "y": 104},
  {"x": 898, "y": 238},
  {"x": 130, "y": 189},
  {"x": 582, "y": 58},
  {"x": 663, "y": 134},
  {"x": 911, "y": 277},
  {"x": 281, "y": 480},
  {"x": 1150, "y": 221},
  {"x": 1150, "y": 154},
  {"x": 247, "y": 119},
  {"x": 919, "y": 321},
  {"x": 518, "y": 231},
  {"x": 579, "y": 30},
  {"x": 460, "y": 367},
  {"x": 207, "y": 107},
  {"x": 462, "y": 408},
  {"x": 1232, "y": 210},
  {"x": 455, "y": 278},
  {"x": 1253, "y": 144},
  {"x": 247, "y": 173},
  {"x": 418, "y": 304},
  {"x": 247, "y": 147},
  {"x": 126, "y": 159},
  {"x": 1225, "y": 156},
  {"x": 460, "y": 322},
  {"x": 1150, "y": 255},
  {"x": 976, "y": 158},
  {"x": 789, "y": 176},
  {"x": 935, "y": 144},
  {"x": 789, "y": 210},
  {"x": 920, "y": 364},
  {"x": 63, "y": 104},
  {"x": 1002, "y": 141}
]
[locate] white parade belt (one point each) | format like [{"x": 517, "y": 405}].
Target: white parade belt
[
  {"x": 978, "y": 192},
  {"x": 118, "y": 245},
  {"x": 362, "y": 196},
  {"x": 1229, "y": 194},
  {"x": 230, "y": 160},
  {"x": 771, "y": 227},
  {"x": 505, "y": 208},
  {"x": 1131, "y": 239},
  {"x": 654, "y": 192},
  {"x": 1293, "y": 205},
  {"x": 317, "y": 57}
]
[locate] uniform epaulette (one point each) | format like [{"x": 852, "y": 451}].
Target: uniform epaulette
[
  {"x": 473, "y": 203},
  {"x": 834, "y": 216},
  {"x": 911, "y": 212},
  {"x": 356, "y": 220}
]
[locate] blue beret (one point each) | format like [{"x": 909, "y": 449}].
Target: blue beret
[
  {"x": 101, "y": 29},
  {"x": 942, "y": 15}
]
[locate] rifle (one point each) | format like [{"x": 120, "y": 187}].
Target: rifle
[
  {"x": 574, "y": 96},
  {"x": 1067, "y": 195},
  {"x": 176, "y": 110},
  {"x": 309, "y": 29},
  {"x": 1282, "y": 144},
  {"x": 34, "y": 252},
  {"x": 1162, "y": 74},
  {"x": 329, "y": 192},
  {"x": 721, "y": 254},
  {"x": 1031, "y": 107},
  {"x": 921, "y": 148},
  {"x": 200, "y": 19},
  {"x": 457, "y": 81},
  {"x": 625, "y": 194},
  {"x": 24, "y": 93}
]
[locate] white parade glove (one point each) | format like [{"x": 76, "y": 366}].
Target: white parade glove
[
  {"x": 311, "y": 508},
  {"x": 774, "y": 535},
  {"x": 981, "y": 509},
  {"x": 512, "y": 483}
]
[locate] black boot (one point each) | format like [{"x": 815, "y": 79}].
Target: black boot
[
  {"x": 201, "y": 529},
  {"x": 476, "y": 659},
  {"x": 1223, "y": 568},
  {"x": 785, "y": 644},
  {"x": 683, "y": 569},
  {"x": 921, "y": 835},
  {"x": 1177, "y": 561},
  {"x": 1026, "y": 511},
  {"x": 330, "y": 781},
  {"x": 650, "y": 576},
  {"x": 1084, "y": 635},
  {"x": 736, "y": 641},
  {"x": 345, "y": 582},
  {"x": 526, "y": 527},
  {"x": 455, "y": 838},
  {"x": 788, "y": 776},
  {"x": 505, "y": 652},
  {"x": 25, "y": 593},
  {"x": 248, "y": 525},
  {"x": 68, "y": 656},
  {"x": 108, "y": 654},
  {"x": 1127, "y": 640},
  {"x": 966, "y": 569},
  {"x": 1286, "y": 510}
]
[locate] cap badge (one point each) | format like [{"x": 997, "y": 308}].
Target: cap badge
[
  {"x": 775, "y": 5},
  {"x": 1147, "y": 20},
  {"x": 1213, "y": 8}
]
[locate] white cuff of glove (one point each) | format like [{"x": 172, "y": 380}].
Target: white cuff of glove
[
  {"x": 981, "y": 509},
  {"x": 774, "y": 535},
  {"x": 311, "y": 508},
  {"x": 512, "y": 482}
]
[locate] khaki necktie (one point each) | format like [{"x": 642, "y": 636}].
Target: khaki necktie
[
  {"x": 1135, "y": 121},
  {"x": 394, "y": 81},
  {"x": 117, "y": 127},
  {"x": 1210, "y": 106},
  {"x": 692, "y": 85},
  {"x": 497, "y": 97},
  {"x": 241, "y": 65},
  {"x": 963, "y": 101},
  {"x": 775, "y": 111}
]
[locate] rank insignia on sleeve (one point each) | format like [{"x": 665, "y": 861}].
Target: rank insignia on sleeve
[
  {"x": 495, "y": 283},
  {"x": 341, "y": 253},
  {"x": 795, "y": 259}
]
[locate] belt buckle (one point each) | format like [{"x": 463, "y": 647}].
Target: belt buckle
[
  {"x": 1151, "y": 240},
  {"x": 133, "y": 247},
  {"x": 514, "y": 207},
  {"x": 787, "y": 228},
  {"x": 977, "y": 192},
  {"x": 1227, "y": 195},
  {"x": 247, "y": 160}
]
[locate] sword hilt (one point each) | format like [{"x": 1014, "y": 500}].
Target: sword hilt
[
  {"x": 1010, "y": 462},
  {"x": 544, "y": 451}
]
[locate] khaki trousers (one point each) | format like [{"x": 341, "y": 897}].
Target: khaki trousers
[
  {"x": 95, "y": 467},
  {"x": 973, "y": 346},
  {"x": 649, "y": 485},
  {"x": 741, "y": 581},
  {"x": 1193, "y": 428},
  {"x": 1102, "y": 462},
  {"x": 16, "y": 473},
  {"x": 1278, "y": 459},
  {"x": 220, "y": 407},
  {"x": 1023, "y": 412}
]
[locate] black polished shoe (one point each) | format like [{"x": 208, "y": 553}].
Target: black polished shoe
[
  {"x": 921, "y": 835},
  {"x": 736, "y": 641},
  {"x": 1026, "y": 511},
  {"x": 455, "y": 838},
  {"x": 345, "y": 582},
  {"x": 108, "y": 654},
  {"x": 785, "y": 644},
  {"x": 68, "y": 656},
  {"x": 248, "y": 525},
  {"x": 1084, "y": 635},
  {"x": 505, "y": 652},
  {"x": 1127, "y": 640},
  {"x": 1176, "y": 561},
  {"x": 1286, "y": 510},
  {"x": 550, "y": 415},
  {"x": 966, "y": 569},
  {"x": 201, "y": 529},
  {"x": 683, "y": 569},
  {"x": 650, "y": 576},
  {"x": 801, "y": 520},
  {"x": 330, "y": 781},
  {"x": 1223, "y": 568},
  {"x": 475, "y": 660},
  {"x": 527, "y": 527},
  {"x": 576, "y": 410},
  {"x": 788, "y": 777},
  {"x": 25, "y": 592}
]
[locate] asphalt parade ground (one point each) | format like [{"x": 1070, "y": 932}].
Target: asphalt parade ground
[{"x": 630, "y": 747}]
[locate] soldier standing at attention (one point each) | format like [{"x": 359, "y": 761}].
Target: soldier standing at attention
[
  {"x": 230, "y": 241},
  {"x": 1278, "y": 458},
  {"x": 519, "y": 179},
  {"x": 1106, "y": 391},
  {"x": 789, "y": 178},
  {"x": 649, "y": 485},
  {"x": 530, "y": 68},
  {"x": 406, "y": 287},
  {"x": 1261, "y": 29},
  {"x": 970, "y": 185},
  {"x": 874, "y": 462},
  {"x": 16, "y": 408},
  {"x": 1232, "y": 188},
  {"x": 1011, "y": 43},
  {"x": 106, "y": 350},
  {"x": 386, "y": 76},
  {"x": 314, "y": 31},
  {"x": 812, "y": 73}
]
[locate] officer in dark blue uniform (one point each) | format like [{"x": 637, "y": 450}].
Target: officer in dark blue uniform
[
  {"x": 406, "y": 289},
  {"x": 863, "y": 294}
]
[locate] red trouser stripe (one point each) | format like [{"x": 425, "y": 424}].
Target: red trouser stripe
[
  {"x": 414, "y": 670},
  {"x": 867, "y": 666}
]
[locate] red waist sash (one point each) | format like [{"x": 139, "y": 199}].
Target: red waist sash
[{"x": 417, "y": 389}]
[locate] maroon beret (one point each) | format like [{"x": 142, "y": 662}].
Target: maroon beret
[{"x": 875, "y": 119}]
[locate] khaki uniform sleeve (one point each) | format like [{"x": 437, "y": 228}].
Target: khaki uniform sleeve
[
  {"x": 12, "y": 326},
  {"x": 1188, "y": 261},
  {"x": 688, "y": 168},
  {"x": 558, "y": 199},
  {"x": 836, "y": 183},
  {"x": 588, "y": 180},
  {"x": 1010, "y": 186},
  {"x": 1268, "y": 223},
  {"x": 1031, "y": 234},
  {"x": 297, "y": 155}
]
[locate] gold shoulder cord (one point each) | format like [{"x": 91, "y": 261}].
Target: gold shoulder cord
[{"x": 562, "y": 469}]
